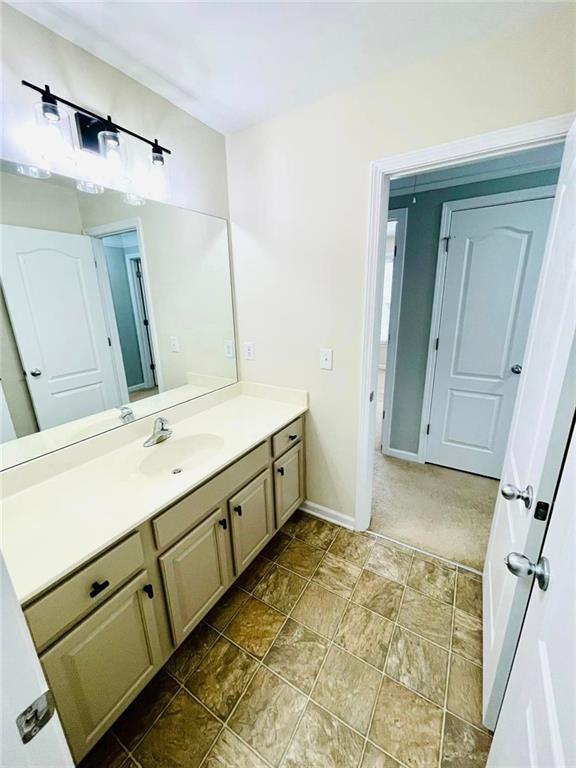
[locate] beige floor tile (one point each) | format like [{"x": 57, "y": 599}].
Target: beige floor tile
[
  {"x": 464, "y": 745},
  {"x": 319, "y": 609},
  {"x": 418, "y": 664},
  {"x": 378, "y": 594},
  {"x": 280, "y": 588},
  {"x": 347, "y": 687},
  {"x": 465, "y": 690},
  {"x": 321, "y": 741},
  {"x": 365, "y": 634},
  {"x": 467, "y": 636},
  {"x": 222, "y": 677},
  {"x": 375, "y": 758},
  {"x": 182, "y": 736},
  {"x": 290, "y": 527},
  {"x": 133, "y": 724},
  {"x": 300, "y": 557},
  {"x": 406, "y": 726},
  {"x": 426, "y": 616},
  {"x": 469, "y": 593},
  {"x": 276, "y": 545},
  {"x": 230, "y": 752},
  {"x": 297, "y": 655},
  {"x": 390, "y": 561},
  {"x": 267, "y": 715},
  {"x": 432, "y": 578},
  {"x": 314, "y": 531},
  {"x": 352, "y": 546},
  {"x": 107, "y": 752},
  {"x": 187, "y": 657},
  {"x": 255, "y": 572},
  {"x": 255, "y": 626},
  {"x": 226, "y": 608},
  {"x": 337, "y": 575}
]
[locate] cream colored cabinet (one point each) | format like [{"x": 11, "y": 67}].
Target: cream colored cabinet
[
  {"x": 252, "y": 519},
  {"x": 289, "y": 483},
  {"x": 98, "y": 668},
  {"x": 197, "y": 571}
]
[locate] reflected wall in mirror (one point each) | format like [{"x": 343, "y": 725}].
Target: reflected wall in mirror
[{"x": 107, "y": 306}]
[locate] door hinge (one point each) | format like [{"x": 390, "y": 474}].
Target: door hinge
[
  {"x": 428, "y": 429},
  {"x": 446, "y": 243},
  {"x": 436, "y": 343},
  {"x": 383, "y": 415},
  {"x": 109, "y": 341},
  {"x": 138, "y": 273},
  {"x": 395, "y": 251},
  {"x": 145, "y": 321},
  {"x": 152, "y": 367}
]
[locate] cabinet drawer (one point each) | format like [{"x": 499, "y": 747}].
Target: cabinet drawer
[
  {"x": 287, "y": 437},
  {"x": 170, "y": 525},
  {"x": 64, "y": 605}
]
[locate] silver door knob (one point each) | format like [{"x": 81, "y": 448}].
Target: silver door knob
[
  {"x": 35, "y": 372},
  {"x": 516, "y": 368},
  {"x": 511, "y": 493},
  {"x": 520, "y": 566}
]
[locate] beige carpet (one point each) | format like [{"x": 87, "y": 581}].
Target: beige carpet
[{"x": 441, "y": 511}]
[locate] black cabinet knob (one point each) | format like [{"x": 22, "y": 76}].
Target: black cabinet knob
[
  {"x": 149, "y": 589},
  {"x": 223, "y": 523},
  {"x": 99, "y": 586},
  {"x": 292, "y": 437},
  {"x": 281, "y": 471},
  {"x": 238, "y": 509}
]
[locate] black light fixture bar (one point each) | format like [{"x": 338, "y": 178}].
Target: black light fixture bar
[{"x": 107, "y": 121}]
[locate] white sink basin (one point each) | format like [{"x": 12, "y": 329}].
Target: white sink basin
[{"x": 178, "y": 453}]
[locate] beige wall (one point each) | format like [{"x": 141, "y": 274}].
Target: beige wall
[
  {"x": 196, "y": 170},
  {"x": 299, "y": 209}
]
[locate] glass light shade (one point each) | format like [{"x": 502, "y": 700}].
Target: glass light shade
[
  {"x": 131, "y": 198},
  {"x": 33, "y": 171},
  {"x": 50, "y": 111},
  {"x": 89, "y": 187}
]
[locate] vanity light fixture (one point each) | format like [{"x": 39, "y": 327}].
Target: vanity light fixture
[{"x": 90, "y": 125}]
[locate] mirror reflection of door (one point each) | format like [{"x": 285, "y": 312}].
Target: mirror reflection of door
[{"x": 130, "y": 313}]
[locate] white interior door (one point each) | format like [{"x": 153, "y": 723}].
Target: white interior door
[
  {"x": 537, "y": 724},
  {"x": 492, "y": 268},
  {"x": 51, "y": 289},
  {"x": 537, "y": 436}
]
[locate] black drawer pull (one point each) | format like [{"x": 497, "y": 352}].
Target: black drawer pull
[
  {"x": 223, "y": 523},
  {"x": 281, "y": 471},
  {"x": 238, "y": 509},
  {"x": 292, "y": 437},
  {"x": 149, "y": 589},
  {"x": 99, "y": 586}
]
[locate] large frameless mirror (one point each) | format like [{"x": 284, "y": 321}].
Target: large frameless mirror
[{"x": 109, "y": 310}]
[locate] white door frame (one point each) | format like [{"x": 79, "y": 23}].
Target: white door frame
[
  {"x": 448, "y": 208},
  {"x": 494, "y": 144},
  {"x": 400, "y": 216},
  {"x": 117, "y": 228}
]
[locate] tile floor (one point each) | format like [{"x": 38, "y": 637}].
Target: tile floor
[{"x": 333, "y": 650}]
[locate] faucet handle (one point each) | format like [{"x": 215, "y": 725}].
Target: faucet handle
[{"x": 161, "y": 422}]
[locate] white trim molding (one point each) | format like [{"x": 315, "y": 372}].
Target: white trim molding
[
  {"x": 493, "y": 144},
  {"x": 325, "y": 513}
]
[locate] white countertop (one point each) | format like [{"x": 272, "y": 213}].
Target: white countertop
[{"x": 52, "y": 523}]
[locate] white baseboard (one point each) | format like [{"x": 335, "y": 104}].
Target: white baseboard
[
  {"x": 325, "y": 513},
  {"x": 406, "y": 455}
]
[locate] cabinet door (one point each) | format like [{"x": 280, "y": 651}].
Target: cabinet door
[
  {"x": 100, "y": 666},
  {"x": 289, "y": 483},
  {"x": 252, "y": 516},
  {"x": 196, "y": 573}
]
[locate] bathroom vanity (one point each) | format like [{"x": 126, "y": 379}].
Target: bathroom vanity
[{"x": 117, "y": 551}]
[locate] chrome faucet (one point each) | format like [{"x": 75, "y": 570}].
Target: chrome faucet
[
  {"x": 126, "y": 414},
  {"x": 161, "y": 432}
]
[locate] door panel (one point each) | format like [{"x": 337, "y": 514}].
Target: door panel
[
  {"x": 196, "y": 574},
  {"x": 289, "y": 483},
  {"x": 52, "y": 293},
  {"x": 252, "y": 516},
  {"x": 97, "y": 669},
  {"x": 542, "y": 416},
  {"x": 492, "y": 270}
]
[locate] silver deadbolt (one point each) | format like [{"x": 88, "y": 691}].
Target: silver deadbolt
[
  {"x": 512, "y": 492},
  {"x": 35, "y": 372},
  {"x": 516, "y": 369},
  {"x": 520, "y": 566}
]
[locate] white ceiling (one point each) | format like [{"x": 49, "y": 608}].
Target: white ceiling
[{"x": 232, "y": 64}]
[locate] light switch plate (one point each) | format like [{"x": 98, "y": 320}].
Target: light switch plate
[
  {"x": 249, "y": 350},
  {"x": 326, "y": 356},
  {"x": 228, "y": 348},
  {"x": 174, "y": 344}
]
